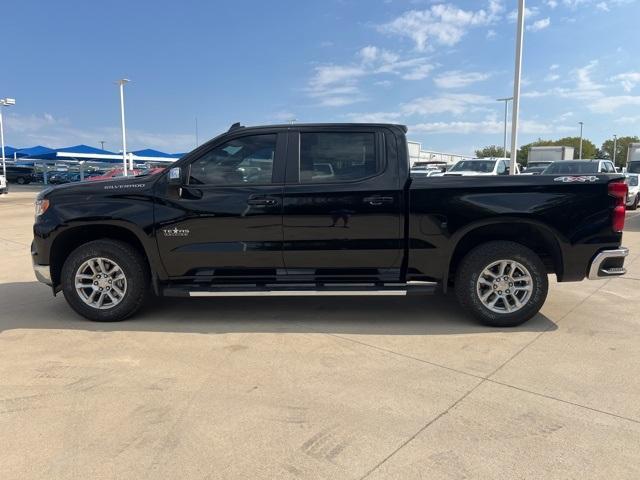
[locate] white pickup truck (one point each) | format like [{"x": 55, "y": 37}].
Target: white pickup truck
[
  {"x": 3, "y": 185},
  {"x": 481, "y": 166}
]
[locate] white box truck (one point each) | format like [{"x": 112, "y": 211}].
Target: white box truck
[
  {"x": 549, "y": 154},
  {"x": 633, "y": 158},
  {"x": 540, "y": 158}
]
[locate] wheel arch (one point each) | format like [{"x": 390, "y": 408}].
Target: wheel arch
[
  {"x": 71, "y": 238},
  {"x": 537, "y": 236}
]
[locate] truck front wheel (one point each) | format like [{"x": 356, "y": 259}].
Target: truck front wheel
[
  {"x": 501, "y": 283},
  {"x": 105, "y": 280}
]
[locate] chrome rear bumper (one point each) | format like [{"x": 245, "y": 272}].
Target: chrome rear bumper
[{"x": 608, "y": 263}]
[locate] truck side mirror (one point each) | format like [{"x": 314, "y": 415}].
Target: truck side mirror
[{"x": 175, "y": 176}]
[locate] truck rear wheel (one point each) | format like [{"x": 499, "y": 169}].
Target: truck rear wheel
[
  {"x": 501, "y": 283},
  {"x": 105, "y": 280}
]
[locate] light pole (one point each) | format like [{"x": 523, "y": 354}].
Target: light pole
[
  {"x": 615, "y": 147},
  {"x": 506, "y": 110},
  {"x": 122, "y": 82},
  {"x": 4, "y": 102},
  {"x": 581, "y": 126},
  {"x": 516, "y": 87},
  {"x": 102, "y": 142}
]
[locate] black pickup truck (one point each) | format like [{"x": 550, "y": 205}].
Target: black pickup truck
[{"x": 324, "y": 209}]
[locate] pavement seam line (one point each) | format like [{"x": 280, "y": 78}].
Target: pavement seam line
[
  {"x": 527, "y": 345},
  {"x": 424, "y": 427},
  {"x": 13, "y": 241},
  {"x": 550, "y": 397},
  {"x": 483, "y": 380},
  {"x": 480, "y": 377}
]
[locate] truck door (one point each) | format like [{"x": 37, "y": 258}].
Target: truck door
[
  {"x": 343, "y": 210},
  {"x": 226, "y": 218}
]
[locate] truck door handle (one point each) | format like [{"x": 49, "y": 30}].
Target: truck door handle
[
  {"x": 262, "y": 201},
  {"x": 377, "y": 200}
]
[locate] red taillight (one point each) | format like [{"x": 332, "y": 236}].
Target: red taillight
[{"x": 618, "y": 190}]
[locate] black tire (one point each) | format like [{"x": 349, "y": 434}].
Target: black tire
[
  {"x": 21, "y": 181},
  {"x": 635, "y": 203},
  {"x": 135, "y": 270},
  {"x": 475, "y": 262}
]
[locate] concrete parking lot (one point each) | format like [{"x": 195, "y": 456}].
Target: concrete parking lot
[{"x": 315, "y": 387}]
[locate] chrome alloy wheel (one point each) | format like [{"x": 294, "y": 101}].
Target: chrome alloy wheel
[
  {"x": 504, "y": 286},
  {"x": 101, "y": 283}
]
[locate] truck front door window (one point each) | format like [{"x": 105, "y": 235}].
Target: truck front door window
[
  {"x": 337, "y": 157},
  {"x": 245, "y": 160}
]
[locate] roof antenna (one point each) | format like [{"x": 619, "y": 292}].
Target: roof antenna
[{"x": 235, "y": 126}]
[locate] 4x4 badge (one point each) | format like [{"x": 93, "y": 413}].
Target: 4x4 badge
[{"x": 581, "y": 178}]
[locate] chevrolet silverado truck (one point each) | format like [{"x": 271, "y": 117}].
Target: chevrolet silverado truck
[{"x": 257, "y": 211}]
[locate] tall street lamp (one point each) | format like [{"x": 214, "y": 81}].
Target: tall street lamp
[
  {"x": 516, "y": 87},
  {"x": 506, "y": 110},
  {"x": 4, "y": 102},
  {"x": 122, "y": 82},
  {"x": 581, "y": 126},
  {"x": 615, "y": 147}
]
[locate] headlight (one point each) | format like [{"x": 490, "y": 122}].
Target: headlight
[{"x": 41, "y": 206}]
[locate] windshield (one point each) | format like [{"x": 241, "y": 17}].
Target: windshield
[
  {"x": 483, "y": 166},
  {"x": 565, "y": 166},
  {"x": 537, "y": 164},
  {"x": 632, "y": 181},
  {"x": 634, "y": 167}
]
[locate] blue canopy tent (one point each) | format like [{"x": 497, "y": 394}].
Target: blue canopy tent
[
  {"x": 9, "y": 151},
  {"x": 34, "y": 152},
  {"x": 85, "y": 153},
  {"x": 150, "y": 152}
]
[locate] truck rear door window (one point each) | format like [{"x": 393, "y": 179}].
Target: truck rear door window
[{"x": 337, "y": 157}]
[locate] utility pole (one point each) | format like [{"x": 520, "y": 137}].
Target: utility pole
[
  {"x": 4, "y": 102},
  {"x": 516, "y": 87},
  {"x": 506, "y": 111},
  {"x": 122, "y": 82},
  {"x": 102, "y": 142},
  {"x": 581, "y": 126},
  {"x": 615, "y": 148}
]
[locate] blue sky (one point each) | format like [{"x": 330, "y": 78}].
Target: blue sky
[{"x": 436, "y": 66}]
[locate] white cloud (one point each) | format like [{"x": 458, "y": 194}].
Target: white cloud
[
  {"x": 453, "y": 103},
  {"x": 633, "y": 120},
  {"x": 442, "y": 24},
  {"x": 628, "y": 80},
  {"x": 339, "y": 85},
  {"x": 551, "y": 77},
  {"x": 490, "y": 125},
  {"x": 458, "y": 79},
  {"x": 418, "y": 73},
  {"x": 602, "y": 6},
  {"x": 539, "y": 25},
  {"x": 610, "y": 104},
  {"x": 491, "y": 33},
  {"x": 528, "y": 13}
]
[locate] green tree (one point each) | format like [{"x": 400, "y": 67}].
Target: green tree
[
  {"x": 589, "y": 149},
  {"x": 622, "y": 148},
  {"x": 491, "y": 151}
]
